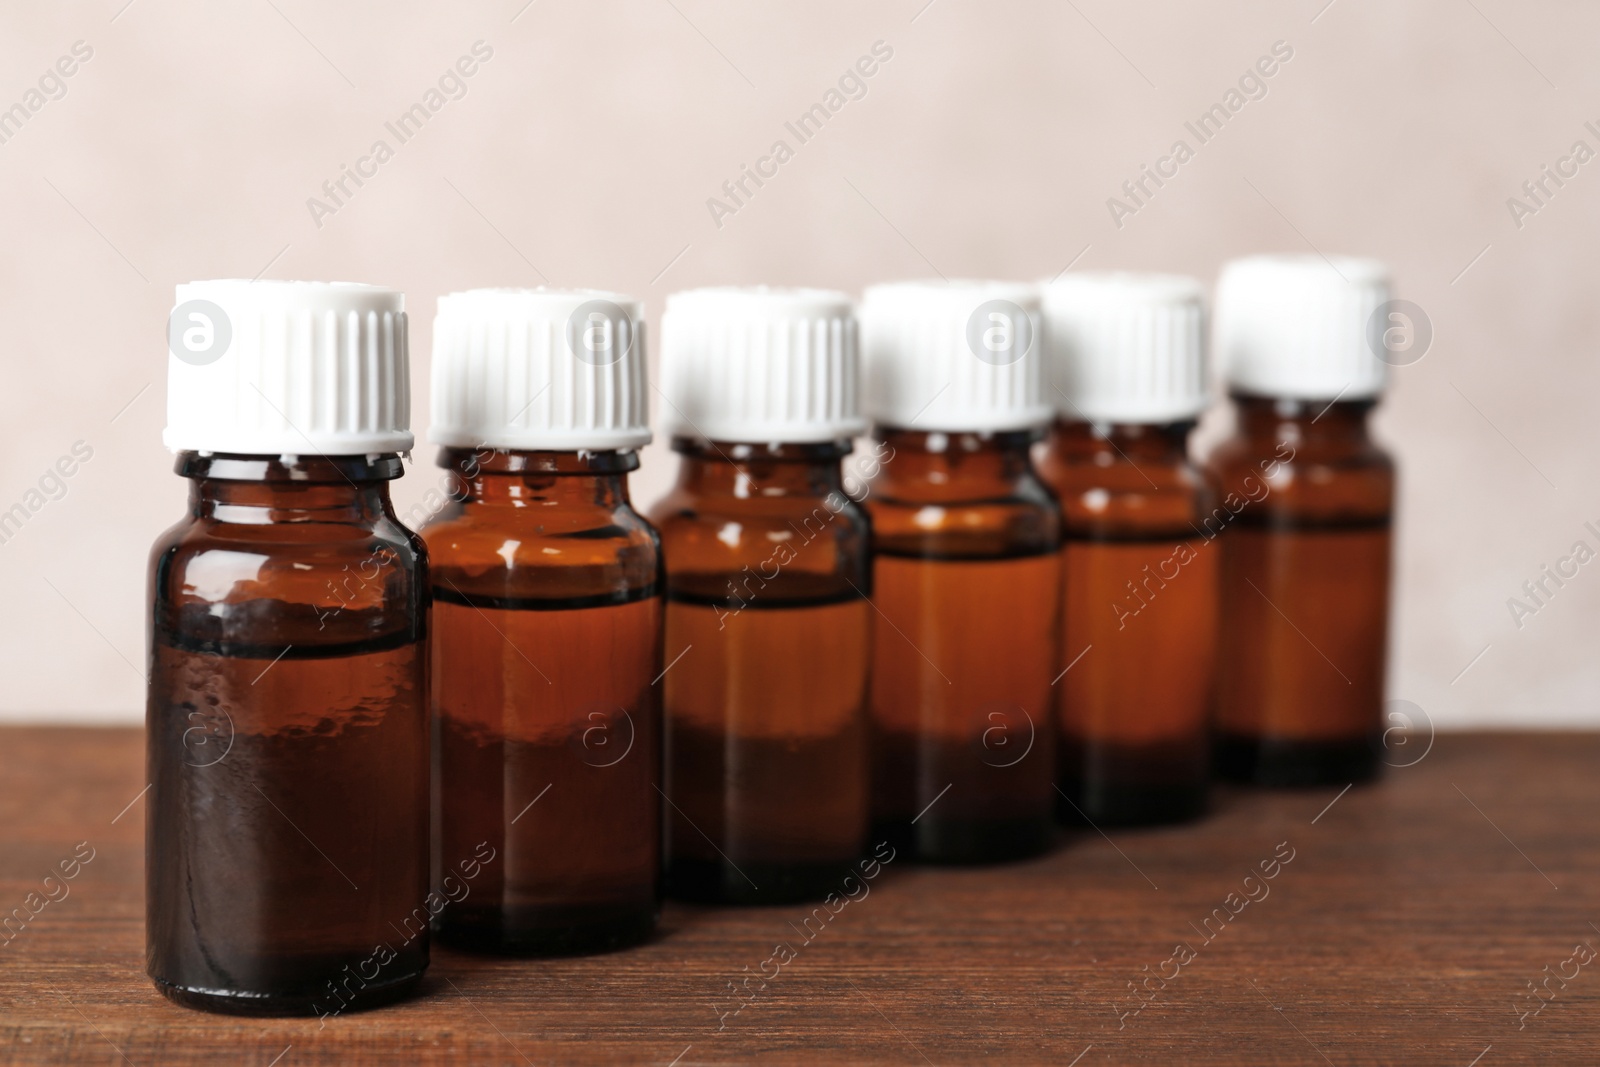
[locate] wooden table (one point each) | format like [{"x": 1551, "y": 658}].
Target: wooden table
[{"x": 1406, "y": 928}]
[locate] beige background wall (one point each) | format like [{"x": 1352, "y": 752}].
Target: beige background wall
[{"x": 585, "y": 148}]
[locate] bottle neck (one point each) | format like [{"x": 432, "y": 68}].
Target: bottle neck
[
  {"x": 1337, "y": 425},
  {"x": 515, "y": 478},
  {"x": 257, "y": 490},
  {"x": 1145, "y": 444},
  {"x": 752, "y": 471},
  {"x": 973, "y": 464}
]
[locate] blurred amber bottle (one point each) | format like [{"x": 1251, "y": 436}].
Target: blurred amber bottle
[
  {"x": 966, "y": 571},
  {"x": 1126, "y": 356},
  {"x": 768, "y": 625},
  {"x": 1307, "y": 502},
  {"x": 547, "y": 624},
  {"x": 287, "y": 833}
]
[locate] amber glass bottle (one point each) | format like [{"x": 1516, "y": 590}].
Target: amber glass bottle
[
  {"x": 1305, "y": 592},
  {"x": 546, "y": 626},
  {"x": 287, "y": 832},
  {"x": 768, "y": 626},
  {"x": 1305, "y": 517},
  {"x": 966, "y": 572},
  {"x": 1140, "y": 635}
]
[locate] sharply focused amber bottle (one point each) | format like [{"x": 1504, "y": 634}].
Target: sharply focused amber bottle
[
  {"x": 966, "y": 572},
  {"x": 287, "y": 833},
  {"x": 1141, "y": 578},
  {"x": 768, "y": 625},
  {"x": 1305, "y": 519},
  {"x": 547, "y": 625}
]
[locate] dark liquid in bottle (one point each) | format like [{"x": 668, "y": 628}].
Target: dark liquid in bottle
[
  {"x": 289, "y": 875},
  {"x": 1135, "y": 698},
  {"x": 964, "y": 754},
  {"x": 548, "y": 746},
  {"x": 767, "y": 739},
  {"x": 1300, "y": 696}
]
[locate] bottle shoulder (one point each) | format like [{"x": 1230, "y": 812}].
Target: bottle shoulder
[
  {"x": 227, "y": 586},
  {"x": 1304, "y": 480},
  {"x": 776, "y": 506},
  {"x": 553, "y": 552},
  {"x": 207, "y": 554},
  {"x": 1243, "y": 451},
  {"x": 1021, "y": 517},
  {"x": 527, "y": 536},
  {"x": 1105, "y": 495},
  {"x": 684, "y": 516},
  {"x": 798, "y": 548}
]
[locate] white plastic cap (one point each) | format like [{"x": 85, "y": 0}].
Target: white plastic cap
[
  {"x": 1296, "y": 326},
  {"x": 1126, "y": 348},
  {"x": 557, "y": 370},
  {"x": 760, "y": 366},
  {"x": 276, "y": 368},
  {"x": 953, "y": 356}
]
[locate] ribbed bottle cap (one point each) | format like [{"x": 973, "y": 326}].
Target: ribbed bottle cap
[
  {"x": 1126, "y": 347},
  {"x": 954, "y": 356},
  {"x": 760, "y": 365},
  {"x": 1297, "y": 326},
  {"x": 275, "y": 368},
  {"x": 557, "y": 370}
]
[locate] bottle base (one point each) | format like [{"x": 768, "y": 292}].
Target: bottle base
[
  {"x": 967, "y": 842},
  {"x": 1097, "y": 803},
  {"x": 1294, "y": 764},
  {"x": 717, "y": 882},
  {"x": 548, "y": 931},
  {"x": 224, "y": 1002}
]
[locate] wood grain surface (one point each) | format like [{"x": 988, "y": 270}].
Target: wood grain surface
[{"x": 1406, "y": 928}]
